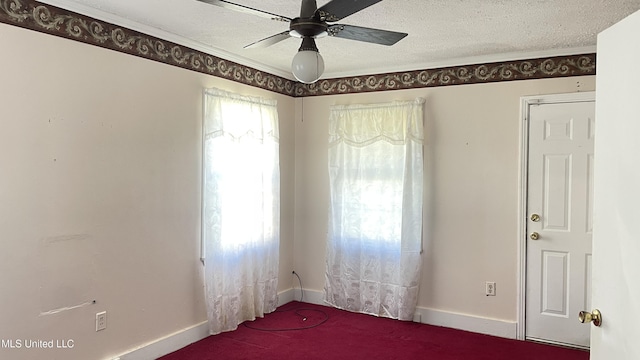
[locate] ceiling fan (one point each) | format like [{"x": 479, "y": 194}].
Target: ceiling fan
[{"x": 307, "y": 65}]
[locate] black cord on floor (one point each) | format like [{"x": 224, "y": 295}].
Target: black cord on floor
[{"x": 297, "y": 312}]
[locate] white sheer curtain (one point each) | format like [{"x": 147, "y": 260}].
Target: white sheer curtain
[
  {"x": 241, "y": 208},
  {"x": 375, "y": 217}
]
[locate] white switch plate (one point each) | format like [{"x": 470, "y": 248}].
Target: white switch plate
[{"x": 101, "y": 321}]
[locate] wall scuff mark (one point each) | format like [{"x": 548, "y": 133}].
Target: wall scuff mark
[{"x": 67, "y": 308}]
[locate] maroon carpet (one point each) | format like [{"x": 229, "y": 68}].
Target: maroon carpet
[{"x": 346, "y": 335}]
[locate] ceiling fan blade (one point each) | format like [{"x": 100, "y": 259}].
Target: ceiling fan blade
[
  {"x": 359, "y": 33},
  {"x": 245, "y": 9},
  {"x": 336, "y": 10},
  {"x": 273, "y": 39}
]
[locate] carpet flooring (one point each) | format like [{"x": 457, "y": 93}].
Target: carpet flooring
[{"x": 328, "y": 333}]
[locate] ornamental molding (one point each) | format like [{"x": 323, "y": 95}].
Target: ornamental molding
[
  {"x": 551, "y": 67},
  {"x": 52, "y": 20}
]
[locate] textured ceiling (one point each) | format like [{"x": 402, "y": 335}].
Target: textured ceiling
[{"x": 441, "y": 32}]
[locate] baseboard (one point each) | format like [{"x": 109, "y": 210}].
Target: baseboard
[
  {"x": 477, "y": 324},
  {"x": 309, "y": 296},
  {"x": 285, "y": 297},
  {"x": 167, "y": 344},
  {"x": 182, "y": 338}
]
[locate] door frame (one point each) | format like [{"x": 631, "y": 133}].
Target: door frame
[{"x": 526, "y": 102}]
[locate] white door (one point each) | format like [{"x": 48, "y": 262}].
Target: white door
[
  {"x": 559, "y": 224},
  {"x": 616, "y": 240}
]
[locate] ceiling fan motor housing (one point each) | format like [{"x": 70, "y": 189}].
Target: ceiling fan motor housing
[{"x": 308, "y": 27}]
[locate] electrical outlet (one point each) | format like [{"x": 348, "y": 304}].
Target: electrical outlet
[
  {"x": 490, "y": 288},
  {"x": 101, "y": 321}
]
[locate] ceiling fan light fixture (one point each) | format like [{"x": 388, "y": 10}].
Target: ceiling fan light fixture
[{"x": 307, "y": 65}]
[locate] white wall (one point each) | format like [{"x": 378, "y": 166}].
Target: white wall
[
  {"x": 472, "y": 135},
  {"x": 100, "y": 156}
]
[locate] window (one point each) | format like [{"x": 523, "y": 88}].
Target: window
[
  {"x": 375, "y": 218},
  {"x": 241, "y": 208}
]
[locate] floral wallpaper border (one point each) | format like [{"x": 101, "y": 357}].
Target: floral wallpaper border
[
  {"x": 553, "y": 67},
  {"x": 33, "y": 15},
  {"x": 52, "y": 20}
]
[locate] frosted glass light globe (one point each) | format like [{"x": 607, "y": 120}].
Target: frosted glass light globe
[{"x": 307, "y": 66}]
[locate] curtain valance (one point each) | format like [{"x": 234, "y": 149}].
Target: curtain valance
[
  {"x": 262, "y": 125},
  {"x": 360, "y": 125}
]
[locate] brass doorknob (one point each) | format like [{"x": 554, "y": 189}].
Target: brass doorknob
[
  {"x": 535, "y": 217},
  {"x": 594, "y": 316},
  {"x": 534, "y": 236}
]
